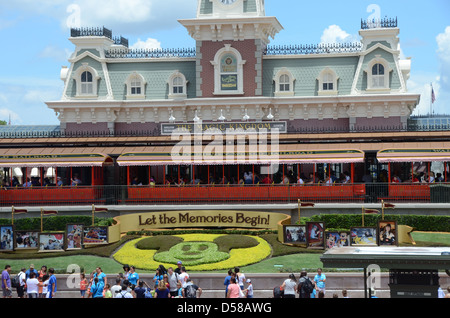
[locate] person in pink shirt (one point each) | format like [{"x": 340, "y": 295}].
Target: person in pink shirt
[{"x": 233, "y": 289}]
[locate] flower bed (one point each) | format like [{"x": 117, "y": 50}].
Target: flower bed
[{"x": 198, "y": 252}]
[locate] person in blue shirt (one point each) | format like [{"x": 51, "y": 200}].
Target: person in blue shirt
[
  {"x": 96, "y": 289},
  {"x": 159, "y": 276},
  {"x": 100, "y": 275},
  {"x": 31, "y": 269},
  {"x": 227, "y": 281},
  {"x": 133, "y": 277},
  {"x": 51, "y": 289},
  {"x": 320, "y": 279}
]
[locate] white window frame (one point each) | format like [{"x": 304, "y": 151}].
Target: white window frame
[
  {"x": 284, "y": 72},
  {"x": 217, "y": 71},
  {"x": 324, "y": 77},
  {"x": 79, "y": 84},
  {"x": 129, "y": 83},
  {"x": 184, "y": 82},
  {"x": 371, "y": 77}
]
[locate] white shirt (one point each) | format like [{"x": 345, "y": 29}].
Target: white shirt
[
  {"x": 32, "y": 286},
  {"x": 183, "y": 278},
  {"x": 44, "y": 287},
  {"x": 22, "y": 276},
  {"x": 124, "y": 294},
  {"x": 241, "y": 279}
]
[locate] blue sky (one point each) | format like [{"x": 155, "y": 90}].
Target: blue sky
[{"x": 35, "y": 40}]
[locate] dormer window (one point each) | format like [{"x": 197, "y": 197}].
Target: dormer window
[
  {"x": 328, "y": 80},
  {"x": 86, "y": 80},
  {"x": 135, "y": 86},
  {"x": 177, "y": 86},
  {"x": 284, "y": 83},
  {"x": 378, "y": 71}
]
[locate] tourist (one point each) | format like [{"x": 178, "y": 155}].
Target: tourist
[
  {"x": 190, "y": 291},
  {"x": 133, "y": 277},
  {"x": 6, "y": 282},
  {"x": 162, "y": 291},
  {"x": 96, "y": 290},
  {"x": 289, "y": 287},
  {"x": 344, "y": 293},
  {"x": 22, "y": 278},
  {"x": 59, "y": 182},
  {"x": 117, "y": 287},
  {"x": 183, "y": 277},
  {"x": 83, "y": 284},
  {"x": 27, "y": 183},
  {"x": 320, "y": 279},
  {"x": 102, "y": 280},
  {"x": 305, "y": 286},
  {"x": 448, "y": 292},
  {"x": 51, "y": 291},
  {"x": 157, "y": 278},
  {"x": 240, "y": 277},
  {"x": 42, "y": 272},
  {"x": 249, "y": 289},
  {"x": 126, "y": 271},
  {"x": 173, "y": 279},
  {"x": 300, "y": 181},
  {"x": 124, "y": 293},
  {"x": 107, "y": 291},
  {"x": 44, "y": 283},
  {"x": 179, "y": 291},
  {"x": 178, "y": 269},
  {"x": 233, "y": 289},
  {"x": 75, "y": 181},
  {"x": 31, "y": 269},
  {"x": 227, "y": 281},
  {"x": 141, "y": 290},
  {"x": 321, "y": 294},
  {"x": 32, "y": 284}
]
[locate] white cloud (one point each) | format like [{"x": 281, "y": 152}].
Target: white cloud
[
  {"x": 443, "y": 41},
  {"x": 56, "y": 53},
  {"x": 149, "y": 44},
  {"x": 6, "y": 114},
  {"x": 334, "y": 34}
]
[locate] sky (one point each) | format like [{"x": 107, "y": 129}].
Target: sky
[{"x": 35, "y": 43}]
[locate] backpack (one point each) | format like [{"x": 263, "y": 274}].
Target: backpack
[
  {"x": 190, "y": 291},
  {"x": 148, "y": 293},
  {"x": 15, "y": 282},
  {"x": 278, "y": 292},
  {"x": 307, "y": 286}
]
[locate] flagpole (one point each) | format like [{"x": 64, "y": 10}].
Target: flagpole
[
  {"x": 42, "y": 224},
  {"x": 93, "y": 215},
  {"x": 12, "y": 215},
  {"x": 363, "y": 212},
  {"x": 382, "y": 210},
  {"x": 299, "y": 203}
]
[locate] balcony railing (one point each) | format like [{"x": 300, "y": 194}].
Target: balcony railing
[
  {"x": 332, "y": 48},
  {"x": 225, "y": 194},
  {"x": 379, "y": 23}
]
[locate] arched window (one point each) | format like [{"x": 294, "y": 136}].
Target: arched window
[
  {"x": 87, "y": 83},
  {"x": 135, "y": 86},
  {"x": 228, "y": 72},
  {"x": 284, "y": 83},
  {"x": 378, "y": 76},
  {"x": 378, "y": 71},
  {"x": 86, "y": 79},
  {"x": 177, "y": 86},
  {"x": 328, "y": 80}
]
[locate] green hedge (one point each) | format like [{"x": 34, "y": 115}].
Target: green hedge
[
  {"x": 55, "y": 223},
  {"x": 418, "y": 222}
]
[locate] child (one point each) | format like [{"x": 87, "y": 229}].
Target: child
[
  {"x": 45, "y": 282},
  {"x": 179, "y": 291},
  {"x": 249, "y": 289},
  {"x": 107, "y": 292},
  {"x": 83, "y": 285}
]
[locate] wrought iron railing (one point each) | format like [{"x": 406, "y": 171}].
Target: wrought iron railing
[
  {"x": 148, "y": 53},
  {"x": 85, "y": 32},
  {"x": 331, "y": 48},
  {"x": 121, "y": 41},
  {"x": 379, "y": 23}
]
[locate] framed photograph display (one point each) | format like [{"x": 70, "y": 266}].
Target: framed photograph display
[
  {"x": 27, "y": 240},
  {"x": 364, "y": 236},
  {"x": 387, "y": 233},
  {"x": 337, "y": 239},
  {"x": 95, "y": 235},
  {"x": 74, "y": 236},
  {"x": 51, "y": 242},
  {"x": 295, "y": 234},
  {"x": 7, "y": 238},
  {"x": 315, "y": 235}
]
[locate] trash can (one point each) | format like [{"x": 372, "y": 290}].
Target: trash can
[{"x": 440, "y": 193}]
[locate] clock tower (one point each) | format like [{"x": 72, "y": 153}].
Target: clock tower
[{"x": 231, "y": 36}]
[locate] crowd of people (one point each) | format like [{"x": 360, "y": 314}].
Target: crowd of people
[{"x": 30, "y": 182}]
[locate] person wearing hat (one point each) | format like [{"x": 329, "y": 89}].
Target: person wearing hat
[
  {"x": 249, "y": 290},
  {"x": 59, "y": 182},
  {"x": 31, "y": 269},
  {"x": 178, "y": 269}
]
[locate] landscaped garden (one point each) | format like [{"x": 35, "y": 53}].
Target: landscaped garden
[{"x": 206, "y": 250}]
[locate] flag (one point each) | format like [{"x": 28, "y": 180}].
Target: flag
[
  {"x": 370, "y": 211},
  {"x": 49, "y": 212},
  {"x": 17, "y": 211},
  {"x": 307, "y": 204},
  {"x": 389, "y": 205}
]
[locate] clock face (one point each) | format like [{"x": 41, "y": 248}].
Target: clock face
[{"x": 227, "y": 1}]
